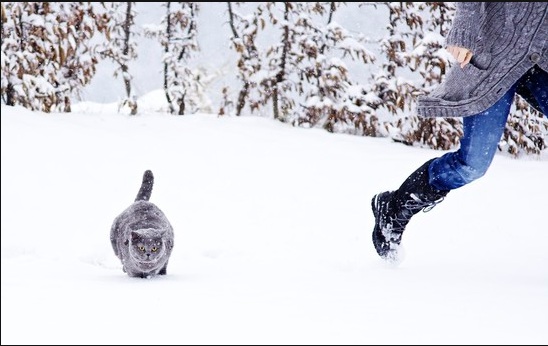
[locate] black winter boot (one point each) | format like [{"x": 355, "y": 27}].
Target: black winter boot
[{"x": 394, "y": 209}]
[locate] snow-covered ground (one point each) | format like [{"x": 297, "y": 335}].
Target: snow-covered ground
[{"x": 272, "y": 237}]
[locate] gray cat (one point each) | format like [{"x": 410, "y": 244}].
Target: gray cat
[{"x": 142, "y": 236}]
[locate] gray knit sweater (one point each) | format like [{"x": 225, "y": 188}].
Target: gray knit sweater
[{"x": 506, "y": 38}]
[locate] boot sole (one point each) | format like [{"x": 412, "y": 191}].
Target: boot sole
[{"x": 392, "y": 255}]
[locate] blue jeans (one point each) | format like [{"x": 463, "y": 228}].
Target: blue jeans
[{"x": 481, "y": 135}]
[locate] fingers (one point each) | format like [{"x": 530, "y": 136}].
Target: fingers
[
  {"x": 467, "y": 58},
  {"x": 462, "y": 55}
]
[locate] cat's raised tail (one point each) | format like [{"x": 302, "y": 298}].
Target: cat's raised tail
[{"x": 146, "y": 187}]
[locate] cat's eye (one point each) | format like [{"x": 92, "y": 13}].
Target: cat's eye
[
  {"x": 142, "y": 248},
  {"x": 154, "y": 249}
]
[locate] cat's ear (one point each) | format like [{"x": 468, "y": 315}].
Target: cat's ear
[
  {"x": 164, "y": 233},
  {"x": 135, "y": 236}
]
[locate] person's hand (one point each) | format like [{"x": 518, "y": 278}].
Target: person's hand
[{"x": 462, "y": 55}]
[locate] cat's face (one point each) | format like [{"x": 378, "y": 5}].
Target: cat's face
[{"x": 146, "y": 245}]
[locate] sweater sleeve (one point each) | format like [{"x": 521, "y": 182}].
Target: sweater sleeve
[{"x": 465, "y": 26}]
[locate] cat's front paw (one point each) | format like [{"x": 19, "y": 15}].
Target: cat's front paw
[{"x": 163, "y": 271}]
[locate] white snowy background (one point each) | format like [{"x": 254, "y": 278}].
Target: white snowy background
[
  {"x": 272, "y": 236},
  {"x": 272, "y": 230}
]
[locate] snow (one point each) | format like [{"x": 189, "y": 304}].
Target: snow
[
  {"x": 272, "y": 225},
  {"x": 272, "y": 236}
]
